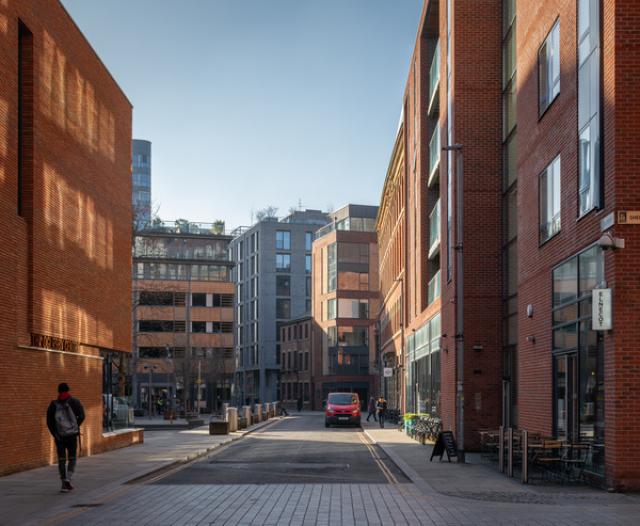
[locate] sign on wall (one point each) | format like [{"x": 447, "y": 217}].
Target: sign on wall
[
  {"x": 388, "y": 372},
  {"x": 602, "y": 319}
]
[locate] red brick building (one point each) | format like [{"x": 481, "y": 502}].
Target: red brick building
[
  {"x": 297, "y": 339},
  {"x": 65, "y": 194},
  {"x": 345, "y": 300},
  {"x": 528, "y": 90}
]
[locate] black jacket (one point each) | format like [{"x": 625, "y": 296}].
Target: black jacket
[{"x": 76, "y": 407}]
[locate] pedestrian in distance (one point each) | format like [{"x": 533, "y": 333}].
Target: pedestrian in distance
[
  {"x": 300, "y": 404},
  {"x": 283, "y": 409},
  {"x": 381, "y": 407},
  {"x": 371, "y": 408},
  {"x": 64, "y": 418}
]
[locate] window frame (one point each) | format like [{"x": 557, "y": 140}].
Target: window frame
[
  {"x": 545, "y": 172},
  {"x": 544, "y": 45}
]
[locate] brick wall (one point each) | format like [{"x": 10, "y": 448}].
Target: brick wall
[{"x": 66, "y": 261}]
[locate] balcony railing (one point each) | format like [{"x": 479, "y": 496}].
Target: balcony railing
[
  {"x": 434, "y": 230},
  {"x": 434, "y": 155},
  {"x": 434, "y": 80},
  {"x": 182, "y": 226},
  {"x": 433, "y": 292}
]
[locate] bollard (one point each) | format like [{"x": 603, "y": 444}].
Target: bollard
[
  {"x": 275, "y": 405},
  {"x": 267, "y": 410},
  {"x": 257, "y": 412},
  {"x": 246, "y": 412},
  {"x": 510, "y": 457},
  {"x": 232, "y": 418},
  {"x": 525, "y": 457},
  {"x": 501, "y": 449},
  {"x": 225, "y": 406}
]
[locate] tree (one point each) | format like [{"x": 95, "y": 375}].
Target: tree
[{"x": 269, "y": 212}]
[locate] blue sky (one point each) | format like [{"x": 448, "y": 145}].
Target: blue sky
[{"x": 250, "y": 103}]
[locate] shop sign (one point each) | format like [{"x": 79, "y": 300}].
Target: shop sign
[
  {"x": 629, "y": 217},
  {"x": 388, "y": 372},
  {"x": 601, "y": 303}
]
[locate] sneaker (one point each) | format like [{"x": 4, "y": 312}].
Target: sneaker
[
  {"x": 67, "y": 485},
  {"x": 64, "y": 488}
]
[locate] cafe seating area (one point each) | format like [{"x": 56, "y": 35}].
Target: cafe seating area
[{"x": 535, "y": 458}]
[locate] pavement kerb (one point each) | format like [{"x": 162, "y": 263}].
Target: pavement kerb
[
  {"x": 410, "y": 473},
  {"x": 56, "y": 514}
]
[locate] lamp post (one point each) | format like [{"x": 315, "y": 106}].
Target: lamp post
[{"x": 459, "y": 285}]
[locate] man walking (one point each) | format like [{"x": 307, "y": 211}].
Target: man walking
[
  {"x": 64, "y": 418},
  {"x": 371, "y": 408}
]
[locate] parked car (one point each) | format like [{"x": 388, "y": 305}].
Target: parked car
[{"x": 342, "y": 408}]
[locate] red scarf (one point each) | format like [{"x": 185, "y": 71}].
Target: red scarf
[{"x": 63, "y": 397}]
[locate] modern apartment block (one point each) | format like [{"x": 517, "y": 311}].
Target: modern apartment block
[
  {"x": 65, "y": 205},
  {"x": 345, "y": 304},
  {"x": 296, "y": 348},
  {"x": 522, "y": 95},
  {"x": 273, "y": 285},
  {"x": 141, "y": 173},
  {"x": 183, "y": 316}
]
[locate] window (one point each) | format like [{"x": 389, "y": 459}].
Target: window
[
  {"x": 254, "y": 286},
  {"x": 331, "y": 309},
  {"x": 348, "y": 308},
  {"x": 307, "y": 264},
  {"x": 198, "y": 326},
  {"x": 223, "y": 300},
  {"x": 283, "y": 286},
  {"x": 353, "y": 336},
  {"x": 283, "y": 240},
  {"x": 160, "y": 326},
  {"x": 307, "y": 286},
  {"x": 549, "y": 68},
  {"x": 589, "y": 152},
  {"x": 550, "y": 200},
  {"x": 283, "y": 308},
  {"x": 308, "y": 241},
  {"x": 283, "y": 262},
  {"x": 332, "y": 267},
  {"x": 199, "y": 299},
  {"x": 353, "y": 253}
]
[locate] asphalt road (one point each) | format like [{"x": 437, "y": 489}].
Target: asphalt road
[{"x": 295, "y": 450}]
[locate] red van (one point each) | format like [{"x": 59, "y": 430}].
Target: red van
[{"x": 342, "y": 408}]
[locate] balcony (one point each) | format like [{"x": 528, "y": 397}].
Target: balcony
[
  {"x": 434, "y": 230},
  {"x": 434, "y": 82},
  {"x": 434, "y": 156},
  {"x": 433, "y": 292}
]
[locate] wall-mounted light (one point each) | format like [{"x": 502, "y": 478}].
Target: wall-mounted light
[
  {"x": 530, "y": 310},
  {"x": 531, "y": 339}
]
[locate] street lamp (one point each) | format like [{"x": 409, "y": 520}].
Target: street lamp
[
  {"x": 459, "y": 284},
  {"x": 150, "y": 368}
]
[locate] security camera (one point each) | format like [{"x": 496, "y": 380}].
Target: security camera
[{"x": 607, "y": 241}]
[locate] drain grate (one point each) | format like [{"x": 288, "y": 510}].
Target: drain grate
[{"x": 88, "y": 505}]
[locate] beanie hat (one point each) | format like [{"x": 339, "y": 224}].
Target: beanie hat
[{"x": 63, "y": 388}]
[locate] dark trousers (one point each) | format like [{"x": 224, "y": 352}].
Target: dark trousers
[
  {"x": 67, "y": 448},
  {"x": 381, "y": 417},
  {"x": 372, "y": 414}
]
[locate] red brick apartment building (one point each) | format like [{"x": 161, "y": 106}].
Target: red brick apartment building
[
  {"x": 345, "y": 300},
  {"x": 297, "y": 338},
  {"x": 65, "y": 203},
  {"x": 528, "y": 89}
]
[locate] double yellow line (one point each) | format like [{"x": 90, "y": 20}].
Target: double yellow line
[{"x": 391, "y": 478}]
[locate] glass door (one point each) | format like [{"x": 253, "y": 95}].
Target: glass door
[{"x": 566, "y": 396}]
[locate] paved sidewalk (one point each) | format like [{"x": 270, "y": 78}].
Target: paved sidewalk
[
  {"x": 30, "y": 497},
  {"x": 478, "y": 481}
]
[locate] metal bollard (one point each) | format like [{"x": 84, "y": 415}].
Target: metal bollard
[
  {"x": 525, "y": 457},
  {"x": 501, "y": 449},
  {"x": 510, "y": 457}
]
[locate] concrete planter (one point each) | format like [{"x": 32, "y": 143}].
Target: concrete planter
[
  {"x": 218, "y": 427},
  {"x": 242, "y": 422}
]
